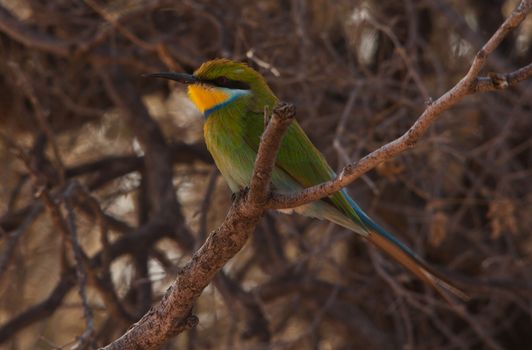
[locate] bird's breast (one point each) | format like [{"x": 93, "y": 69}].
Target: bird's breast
[{"x": 233, "y": 157}]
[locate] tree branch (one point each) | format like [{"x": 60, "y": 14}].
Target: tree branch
[
  {"x": 498, "y": 81},
  {"x": 268, "y": 149},
  {"x": 174, "y": 313},
  {"x": 467, "y": 85}
]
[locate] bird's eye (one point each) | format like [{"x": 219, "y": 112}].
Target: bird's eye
[
  {"x": 221, "y": 80},
  {"x": 229, "y": 83}
]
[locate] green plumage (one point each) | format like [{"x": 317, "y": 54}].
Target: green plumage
[
  {"x": 232, "y": 135},
  {"x": 235, "y": 97}
]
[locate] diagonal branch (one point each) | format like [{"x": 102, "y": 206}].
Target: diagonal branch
[
  {"x": 268, "y": 149},
  {"x": 467, "y": 85},
  {"x": 174, "y": 313}
]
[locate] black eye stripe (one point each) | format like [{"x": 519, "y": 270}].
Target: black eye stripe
[{"x": 228, "y": 83}]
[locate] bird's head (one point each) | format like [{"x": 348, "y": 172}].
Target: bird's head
[{"x": 221, "y": 83}]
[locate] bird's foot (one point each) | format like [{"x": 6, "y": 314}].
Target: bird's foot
[{"x": 237, "y": 196}]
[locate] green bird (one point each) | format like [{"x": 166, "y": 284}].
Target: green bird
[{"x": 232, "y": 97}]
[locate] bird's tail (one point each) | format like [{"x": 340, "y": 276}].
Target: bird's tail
[
  {"x": 405, "y": 256},
  {"x": 417, "y": 266}
]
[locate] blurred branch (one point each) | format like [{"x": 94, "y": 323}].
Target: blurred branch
[
  {"x": 87, "y": 338},
  {"x": 108, "y": 169},
  {"x": 41, "y": 310},
  {"x": 30, "y": 37},
  {"x": 461, "y": 26},
  {"x": 237, "y": 299},
  {"x": 13, "y": 237},
  {"x": 205, "y": 205},
  {"x": 76, "y": 47},
  {"x": 173, "y": 314},
  {"x": 42, "y": 114},
  {"x": 162, "y": 199},
  {"x": 145, "y": 235},
  {"x": 114, "y": 167},
  {"x": 64, "y": 80},
  {"x": 182, "y": 153},
  {"x": 432, "y": 113}
]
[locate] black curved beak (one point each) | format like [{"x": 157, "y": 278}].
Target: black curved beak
[{"x": 180, "y": 77}]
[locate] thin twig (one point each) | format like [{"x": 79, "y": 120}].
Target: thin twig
[
  {"x": 433, "y": 112},
  {"x": 86, "y": 339},
  {"x": 42, "y": 115}
]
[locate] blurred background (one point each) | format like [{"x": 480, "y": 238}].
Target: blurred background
[{"x": 107, "y": 188}]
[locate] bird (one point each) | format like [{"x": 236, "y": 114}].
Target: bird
[{"x": 232, "y": 96}]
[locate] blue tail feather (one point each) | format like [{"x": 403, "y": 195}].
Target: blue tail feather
[{"x": 373, "y": 226}]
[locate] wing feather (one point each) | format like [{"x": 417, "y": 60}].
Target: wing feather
[{"x": 301, "y": 160}]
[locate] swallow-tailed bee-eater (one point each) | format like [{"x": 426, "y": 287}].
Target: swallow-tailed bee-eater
[{"x": 232, "y": 98}]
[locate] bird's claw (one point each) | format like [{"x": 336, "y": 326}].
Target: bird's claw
[{"x": 236, "y": 196}]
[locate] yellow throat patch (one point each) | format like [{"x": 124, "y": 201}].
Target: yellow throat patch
[{"x": 206, "y": 97}]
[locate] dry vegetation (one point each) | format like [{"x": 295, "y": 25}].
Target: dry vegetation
[{"x": 107, "y": 189}]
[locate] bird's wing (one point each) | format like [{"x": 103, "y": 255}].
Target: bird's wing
[{"x": 301, "y": 160}]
